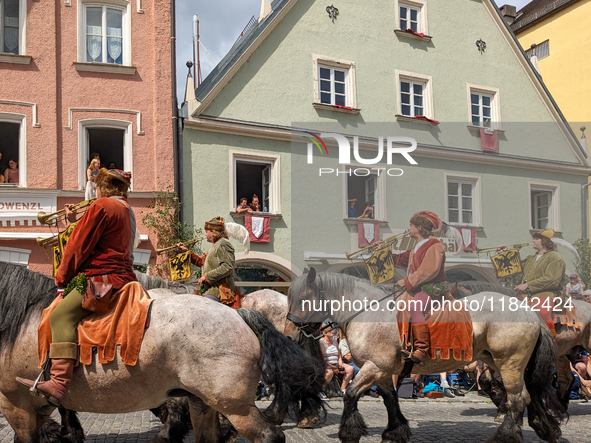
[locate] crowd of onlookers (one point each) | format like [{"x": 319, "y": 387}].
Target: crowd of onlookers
[{"x": 254, "y": 206}]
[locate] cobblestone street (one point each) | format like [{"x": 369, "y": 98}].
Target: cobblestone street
[{"x": 457, "y": 420}]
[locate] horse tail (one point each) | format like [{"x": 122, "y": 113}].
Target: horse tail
[
  {"x": 545, "y": 411},
  {"x": 297, "y": 376}
]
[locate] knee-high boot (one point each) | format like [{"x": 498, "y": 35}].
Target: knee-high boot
[
  {"x": 63, "y": 358},
  {"x": 421, "y": 340}
]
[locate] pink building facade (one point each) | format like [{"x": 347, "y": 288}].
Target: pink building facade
[{"x": 79, "y": 77}]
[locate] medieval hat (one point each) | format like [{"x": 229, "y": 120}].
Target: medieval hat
[
  {"x": 428, "y": 220},
  {"x": 216, "y": 224},
  {"x": 113, "y": 179},
  {"x": 547, "y": 233}
]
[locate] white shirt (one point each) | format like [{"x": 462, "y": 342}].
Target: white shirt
[{"x": 421, "y": 243}]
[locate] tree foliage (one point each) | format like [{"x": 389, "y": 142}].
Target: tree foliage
[
  {"x": 583, "y": 247},
  {"x": 163, "y": 219}
]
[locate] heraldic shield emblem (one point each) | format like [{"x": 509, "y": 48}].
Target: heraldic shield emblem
[
  {"x": 180, "y": 266},
  {"x": 380, "y": 266},
  {"x": 507, "y": 263}
]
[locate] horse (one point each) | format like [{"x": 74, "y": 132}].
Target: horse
[
  {"x": 568, "y": 340},
  {"x": 185, "y": 351},
  {"x": 520, "y": 348}
]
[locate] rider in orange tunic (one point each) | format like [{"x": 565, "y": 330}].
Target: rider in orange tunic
[
  {"x": 425, "y": 265},
  {"x": 100, "y": 245}
]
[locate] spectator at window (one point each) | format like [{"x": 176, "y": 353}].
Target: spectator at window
[
  {"x": 2, "y": 168},
  {"x": 96, "y": 155},
  {"x": 112, "y": 165},
  {"x": 255, "y": 205},
  {"x": 243, "y": 208},
  {"x": 11, "y": 174},
  {"x": 367, "y": 212},
  {"x": 91, "y": 173},
  {"x": 351, "y": 211},
  {"x": 334, "y": 360}
]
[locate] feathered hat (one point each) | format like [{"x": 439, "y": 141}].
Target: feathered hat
[
  {"x": 550, "y": 234},
  {"x": 428, "y": 220},
  {"x": 216, "y": 224},
  {"x": 115, "y": 178}
]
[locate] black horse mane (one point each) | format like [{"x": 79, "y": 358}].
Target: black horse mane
[
  {"x": 477, "y": 287},
  {"x": 23, "y": 293}
]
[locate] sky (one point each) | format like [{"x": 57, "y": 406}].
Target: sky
[{"x": 220, "y": 24}]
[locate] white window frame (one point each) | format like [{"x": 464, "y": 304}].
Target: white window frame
[
  {"x": 379, "y": 200},
  {"x": 495, "y": 105},
  {"x": 274, "y": 161},
  {"x": 15, "y": 255},
  {"x": 22, "y": 27},
  {"x": 123, "y": 5},
  {"x": 83, "y": 147},
  {"x": 475, "y": 180},
  {"x": 21, "y": 119},
  {"x": 421, "y": 5},
  {"x": 427, "y": 80},
  {"x": 553, "y": 210},
  {"x": 334, "y": 63}
]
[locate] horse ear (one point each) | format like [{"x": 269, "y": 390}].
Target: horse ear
[{"x": 311, "y": 276}]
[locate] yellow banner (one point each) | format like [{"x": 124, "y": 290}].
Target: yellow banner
[
  {"x": 380, "y": 266},
  {"x": 180, "y": 267},
  {"x": 58, "y": 251},
  {"x": 507, "y": 263},
  {"x": 57, "y": 258}
]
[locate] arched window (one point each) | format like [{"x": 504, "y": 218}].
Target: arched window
[{"x": 250, "y": 277}]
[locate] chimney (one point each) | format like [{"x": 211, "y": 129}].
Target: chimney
[
  {"x": 265, "y": 9},
  {"x": 509, "y": 12},
  {"x": 584, "y": 143}
]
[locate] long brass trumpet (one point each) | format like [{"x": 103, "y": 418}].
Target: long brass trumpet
[
  {"x": 57, "y": 216},
  {"x": 48, "y": 241},
  {"x": 494, "y": 248},
  {"x": 187, "y": 243},
  {"x": 384, "y": 243}
]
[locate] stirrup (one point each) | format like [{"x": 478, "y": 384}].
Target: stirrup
[{"x": 33, "y": 389}]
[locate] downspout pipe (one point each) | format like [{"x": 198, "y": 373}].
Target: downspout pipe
[
  {"x": 585, "y": 200},
  {"x": 175, "y": 110}
]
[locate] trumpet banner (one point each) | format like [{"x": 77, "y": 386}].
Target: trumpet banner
[
  {"x": 507, "y": 263},
  {"x": 58, "y": 251},
  {"x": 380, "y": 266},
  {"x": 180, "y": 266}
]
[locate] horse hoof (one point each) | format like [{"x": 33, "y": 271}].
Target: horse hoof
[
  {"x": 307, "y": 423},
  {"x": 500, "y": 418}
]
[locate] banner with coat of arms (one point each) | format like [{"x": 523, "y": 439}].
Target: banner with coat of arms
[
  {"x": 380, "y": 266},
  {"x": 180, "y": 266},
  {"x": 507, "y": 263},
  {"x": 58, "y": 251}
]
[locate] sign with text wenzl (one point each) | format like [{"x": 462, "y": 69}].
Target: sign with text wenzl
[{"x": 19, "y": 206}]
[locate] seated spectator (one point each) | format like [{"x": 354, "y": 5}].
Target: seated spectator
[
  {"x": 334, "y": 360},
  {"x": 367, "y": 212},
  {"x": 351, "y": 211},
  {"x": 112, "y": 165},
  {"x": 91, "y": 172},
  {"x": 255, "y": 205},
  {"x": 587, "y": 296},
  {"x": 11, "y": 174},
  {"x": 243, "y": 207},
  {"x": 574, "y": 287}
]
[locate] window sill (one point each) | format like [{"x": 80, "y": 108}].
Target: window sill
[
  {"x": 344, "y": 109},
  {"x": 8, "y": 185},
  {"x": 404, "y": 118},
  {"x": 354, "y": 221},
  {"x": 104, "y": 67},
  {"x": 257, "y": 214},
  {"x": 15, "y": 58},
  {"x": 478, "y": 128},
  {"x": 401, "y": 33}
]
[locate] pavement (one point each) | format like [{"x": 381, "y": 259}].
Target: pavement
[{"x": 466, "y": 419}]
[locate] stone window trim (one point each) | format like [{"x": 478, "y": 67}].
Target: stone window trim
[
  {"x": 476, "y": 181},
  {"x": 427, "y": 80},
  {"x": 331, "y": 62},
  {"x": 421, "y": 5},
  {"x": 496, "y": 103},
  {"x": 380, "y": 205},
  {"x": 554, "y": 209},
  {"x": 274, "y": 160},
  {"x": 123, "y": 5},
  {"x": 110, "y": 68},
  {"x": 22, "y": 38},
  {"x": 15, "y": 59},
  {"x": 20, "y": 119},
  {"x": 83, "y": 148}
]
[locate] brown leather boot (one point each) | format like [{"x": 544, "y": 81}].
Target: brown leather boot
[
  {"x": 421, "y": 341},
  {"x": 56, "y": 388}
]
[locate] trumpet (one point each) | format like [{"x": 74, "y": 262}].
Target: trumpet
[
  {"x": 494, "y": 248},
  {"x": 48, "y": 241},
  {"x": 57, "y": 216},
  {"x": 187, "y": 243},
  {"x": 384, "y": 243}
]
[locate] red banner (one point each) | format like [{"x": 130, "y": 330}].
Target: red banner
[{"x": 259, "y": 228}]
